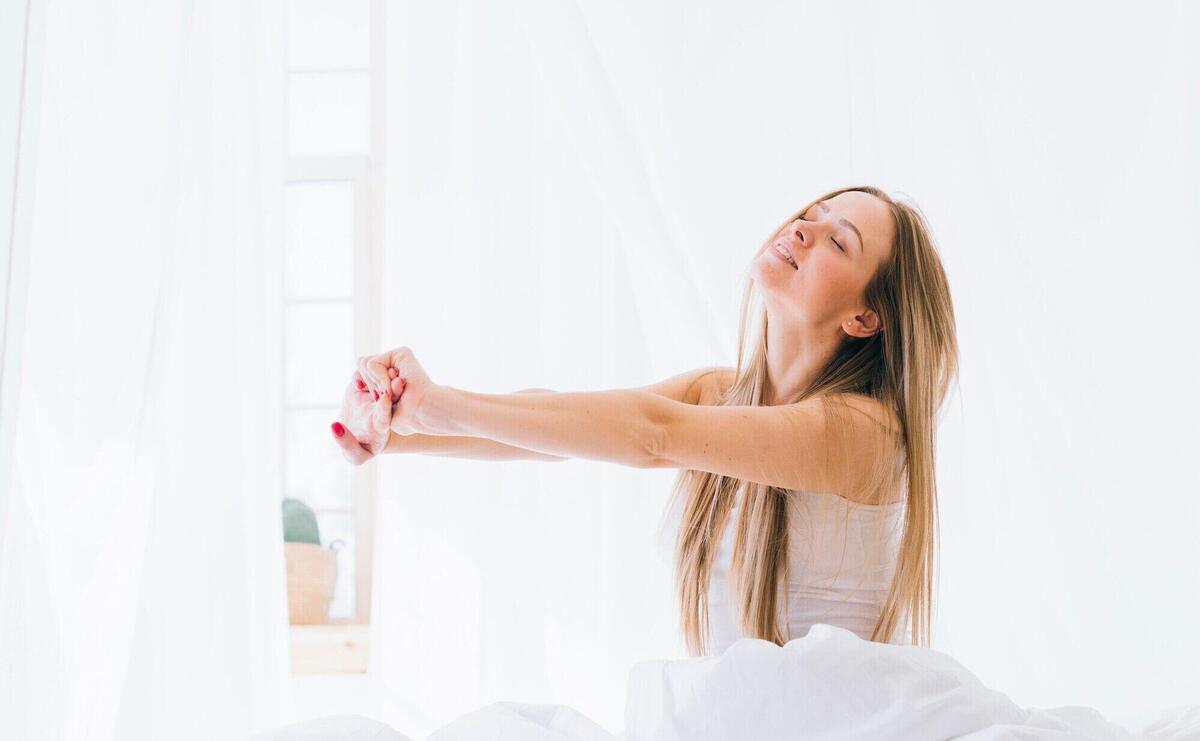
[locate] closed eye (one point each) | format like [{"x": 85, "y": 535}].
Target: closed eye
[{"x": 831, "y": 239}]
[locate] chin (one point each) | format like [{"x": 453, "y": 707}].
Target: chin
[{"x": 764, "y": 275}]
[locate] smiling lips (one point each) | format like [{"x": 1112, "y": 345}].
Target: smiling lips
[{"x": 784, "y": 254}]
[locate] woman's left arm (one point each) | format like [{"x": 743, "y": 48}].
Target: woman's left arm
[
  {"x": 616, "y": 426},
  {"x": 785, "y": 445}
]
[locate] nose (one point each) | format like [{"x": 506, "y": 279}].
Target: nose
[
  {"x": 809, "y": 232},
  {"x": 800, "y": 235}
]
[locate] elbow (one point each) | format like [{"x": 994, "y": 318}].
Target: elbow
[{"x": 653, "y": 449}]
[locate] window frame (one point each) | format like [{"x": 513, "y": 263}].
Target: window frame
[{"x": 364, "y": 171}]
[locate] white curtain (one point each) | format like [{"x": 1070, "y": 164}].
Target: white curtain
[
  {"x": 506, "y": 269},
  {"x": 574, "y": 191},
  {"x": 21, "y": 26},
  {"x": 141, "y": 581}
]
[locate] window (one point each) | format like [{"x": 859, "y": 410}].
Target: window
[{"x": 331, "y": 252}]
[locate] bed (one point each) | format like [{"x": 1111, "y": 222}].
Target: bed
[{"x": 829, "y": 684}]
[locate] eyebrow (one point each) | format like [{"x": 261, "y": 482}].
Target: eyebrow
[{"x": 844, "y": 222}]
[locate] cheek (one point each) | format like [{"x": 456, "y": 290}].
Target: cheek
[{"x": 827, "y": 285}]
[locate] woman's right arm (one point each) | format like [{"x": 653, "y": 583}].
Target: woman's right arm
[{"x": 465, "y": 446}]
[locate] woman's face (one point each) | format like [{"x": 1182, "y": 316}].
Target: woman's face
[{"x": 836, "y": 245}]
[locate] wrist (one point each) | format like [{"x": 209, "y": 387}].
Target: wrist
[
  {"x": 393, "y": 444},
  {"x": 436, "y": 413}
]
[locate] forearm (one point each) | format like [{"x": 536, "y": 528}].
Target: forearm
[
  {"x": 462, "y": 446},
  {"x": 614, "y": 426}
]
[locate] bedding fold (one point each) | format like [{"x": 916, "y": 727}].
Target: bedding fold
[{"x": 829, "y": 684}]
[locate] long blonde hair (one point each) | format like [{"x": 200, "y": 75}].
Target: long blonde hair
[{"x": 908, "y": 366}]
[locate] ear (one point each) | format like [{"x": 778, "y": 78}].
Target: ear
[{"x": 863, "y": 324}]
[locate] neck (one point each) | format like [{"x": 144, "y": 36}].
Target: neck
[{"x": 794, "y": 359}]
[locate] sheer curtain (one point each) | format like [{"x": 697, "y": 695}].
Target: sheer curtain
[
  {"x": 21, "y": 26},
  {"x": 142, "y": 586},
  {"x": 512, "y": 262},
  {"x": 574, "y": 192}
]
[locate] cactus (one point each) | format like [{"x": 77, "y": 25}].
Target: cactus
[{"x": 299, "y": 523}]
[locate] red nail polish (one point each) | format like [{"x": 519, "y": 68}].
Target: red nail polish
[
  {"x": 360, "y": 384},
  {"x": 338, "y": 429}
]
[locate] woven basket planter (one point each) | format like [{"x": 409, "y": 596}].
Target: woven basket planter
[{"x": 311, "y": 571}]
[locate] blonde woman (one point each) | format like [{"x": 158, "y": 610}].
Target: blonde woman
[{"x": 806, "y": 490}]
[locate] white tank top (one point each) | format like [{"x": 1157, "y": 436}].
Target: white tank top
[{"x": 841, "y": 558}]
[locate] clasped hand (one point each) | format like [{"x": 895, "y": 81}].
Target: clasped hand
[{"x": 386, "y": 393}]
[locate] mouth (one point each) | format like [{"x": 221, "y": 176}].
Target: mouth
[{"x": 783, "y": 252}]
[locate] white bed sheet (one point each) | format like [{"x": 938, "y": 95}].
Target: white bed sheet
[{"x": 829, "y": 684}]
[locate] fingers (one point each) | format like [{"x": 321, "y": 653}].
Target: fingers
[
  {"x": 381, "y": 415},
  {"x": 377, "y": 367},
  {"x": 397, "y": 387},
  {"x": 377, "y": 371},
  {"x": 351, "y": 448},
  {"x": 359, "y": 384},
  {"x": 373, "y": 383},
  {"x": 356, "y": 383}
]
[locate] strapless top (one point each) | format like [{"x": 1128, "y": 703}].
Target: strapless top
[{"x": 841, "y": 558}]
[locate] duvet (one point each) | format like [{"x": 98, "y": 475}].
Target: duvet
[{"x": 830, "y": 684}]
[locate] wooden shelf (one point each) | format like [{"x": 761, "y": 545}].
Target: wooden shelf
[{"x": 338, "y": 648}]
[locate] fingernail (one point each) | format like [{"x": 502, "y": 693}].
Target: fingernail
[
  {"x": 376, "y": 395},
  {"x": 361, "y": 385},
  {"x": 338, "y": 429}
]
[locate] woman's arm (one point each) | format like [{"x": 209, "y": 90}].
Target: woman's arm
[
  {"x": 681, "y": 387},
  {"x": 464, "y": 446},
  {"x": 617, "y": 426}
]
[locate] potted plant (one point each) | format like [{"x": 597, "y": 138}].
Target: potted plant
[{"x": 311, "y": 569}]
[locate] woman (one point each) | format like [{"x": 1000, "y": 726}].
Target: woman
[{"x": 835, "y": 408}]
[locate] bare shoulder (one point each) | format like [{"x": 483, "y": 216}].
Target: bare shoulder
[
  {"x": 711, "y": 386},
  {"x": 869, "y": 408},
  {"x": 716, "y": 381},
  {"x": 686, "y": 387},
  {"x": 874, "y": 425}
]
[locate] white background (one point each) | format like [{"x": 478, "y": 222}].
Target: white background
[{"x": 574, "y": 191}]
